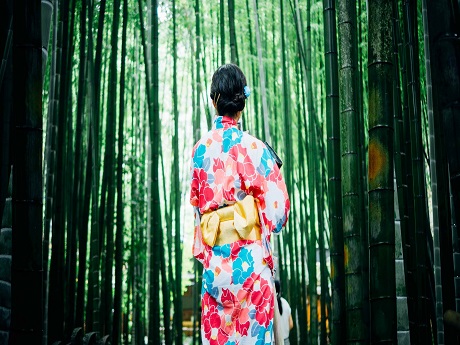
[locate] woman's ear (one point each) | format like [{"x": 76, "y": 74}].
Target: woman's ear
[{"x": 214, "y": 104}]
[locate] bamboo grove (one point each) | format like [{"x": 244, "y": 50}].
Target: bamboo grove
[{"x": 98, "y": 116}]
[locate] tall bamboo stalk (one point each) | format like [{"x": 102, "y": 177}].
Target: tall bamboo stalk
[
  {"x": 27, "y": 266},
  {"x": 119, "y": 243},
  {"x": 50, "y": 155},
  {"x": 302, "y": 318},
  {"x": 403, "y": 175},
  {"x": 418, "y": 177},
  {"x": 109, "y": 171},
  {"x": 175, "y": 180},
  {"x": 93, "y": 306},
  {"x": 77, "y": 180},
  {"x": 353, "y": 221},
  {"x": 57, "y": 267},
  {"x": 155, "y": 217},
  {"x": 334, "y": 176},
  {"x": 382, "y": 293},
  {"x": 313, "y": 176}
]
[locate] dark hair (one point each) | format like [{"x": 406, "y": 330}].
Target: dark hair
[
  {"x": 278, "y": 295},
  {"x": 227, "y": 89}
]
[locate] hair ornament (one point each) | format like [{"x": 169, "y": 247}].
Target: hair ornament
[{"x": 247, "y": 91}]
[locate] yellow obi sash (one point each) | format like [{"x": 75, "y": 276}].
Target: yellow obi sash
[{"x": 231, "y": 223}]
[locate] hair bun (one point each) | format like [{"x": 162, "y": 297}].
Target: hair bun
[{"x": 239, "y": 97}]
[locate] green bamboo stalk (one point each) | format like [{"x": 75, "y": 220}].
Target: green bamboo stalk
[
  {"x": 119, "y": 242},
  {"x": 93, "y": 305},
  {"x": 222, "y": 32},
  {"x": 231, "y": 22},
  {"x": 69, "y": 296},
  {"x": 89, "y": 93},
  {"x": 155, "y": 216},
  {"x": 169, "y": 244},
  {"x": 56, "y": 279},
  {"x": 137, "y": 166},
  {"x": 321, "y": 226},
  {"x": 140, "y": 281},
  {"x": 382, "y": 292},
  {"x": 402, "y": 220},
  {"x": 297, "y": 299},
  {"x": 334, "y": 177},
  {"x": 303, "y": 157},
  {"x": 109, "y": 170},
  {"x": 313, "y": 176},
  {"x": 50, "y": 154},
  {"x": 165, "y": 290},
  {"x": 325, "y": 274},
  {"x": 177, "y": 190},
  {"x": 79, "y": 174},
  {"x": 403, "y": 175},
  {"x": 83, "y": 233},
  {"x": 134, "y": 162},
  {"x": 418, "y": 180},
  {"x": 95, "y": 312},
  {"x": 434, "y": 188},
  {"x": 353, "y": 222},
  {"x": 74, "y": 196}
]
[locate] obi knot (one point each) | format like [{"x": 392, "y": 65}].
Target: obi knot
[{"x": 231, "y": 223}]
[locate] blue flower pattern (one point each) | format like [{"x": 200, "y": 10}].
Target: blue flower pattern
[
  {"x": 266, "y": 163},
  {"x": 243, "y": 266},
  {"x": 199, "y": 156},
  {"x": 222, "y": 251},
  {"x": 231, "y": 137}
]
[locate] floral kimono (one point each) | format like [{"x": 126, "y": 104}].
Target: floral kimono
[{"x": 237, "y": 288}]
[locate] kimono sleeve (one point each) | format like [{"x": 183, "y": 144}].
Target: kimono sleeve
[
  {"x": 268, "y": 187},
  {"x": 198, "y": 244}
]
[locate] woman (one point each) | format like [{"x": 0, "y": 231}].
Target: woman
[
  {"x": 240, "y": 198},
  {"x": 286, "y": 322}
]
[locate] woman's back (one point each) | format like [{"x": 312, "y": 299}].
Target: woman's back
[{"x": 239, "y": 198}]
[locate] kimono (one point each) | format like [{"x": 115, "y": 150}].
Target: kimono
[{"x": 237, "y": 288}]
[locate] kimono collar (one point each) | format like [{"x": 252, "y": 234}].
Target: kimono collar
[{"x": 224, "y": 122}]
